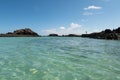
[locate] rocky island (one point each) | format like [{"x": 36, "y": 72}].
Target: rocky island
[
  {"x": 53, "y": 35},
  {"x": 71, "y": 35},
  {"x": 21, "y": 33},
  {"x": 106, "y": 34}
]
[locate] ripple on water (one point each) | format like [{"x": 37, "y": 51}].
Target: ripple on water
[{"x": 49, "y": 58}]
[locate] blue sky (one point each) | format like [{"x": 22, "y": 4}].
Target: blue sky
[{"x": 59, "y": 16}]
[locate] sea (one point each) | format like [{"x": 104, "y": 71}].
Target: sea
[{"x": 59, "y": 58}]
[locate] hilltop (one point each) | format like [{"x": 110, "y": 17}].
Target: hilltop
[{"x": 20, "y": 33}]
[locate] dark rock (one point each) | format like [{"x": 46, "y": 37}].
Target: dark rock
[
  {"x": 9, "y": 33},
  {"x": 107, "y": 34},
  {"x": 117, "y": 30},
  {"x": 53, "y": 35},
  {"x": 20, "y": 33},
  {"x": 111, "y": 36},
  {"x": 73, "y": 35},
  {"x": 25, "y": 31},
  {"x": 63, "y": 35},
  {"x": 108, "y": 31}
]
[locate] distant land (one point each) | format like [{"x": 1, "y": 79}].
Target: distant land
[
  {"x": 105, "y": 34},
  {"x": 21, "y": 33}
]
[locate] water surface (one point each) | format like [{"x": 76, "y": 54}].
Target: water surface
[{"x": 59, "y": 58}]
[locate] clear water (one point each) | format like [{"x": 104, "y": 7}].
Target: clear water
[{"x": 59, "y": 58}]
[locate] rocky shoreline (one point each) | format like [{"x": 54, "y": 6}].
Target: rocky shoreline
[
  {"x": 21, "y": 33},
  {"x": 106, "y": 34}
]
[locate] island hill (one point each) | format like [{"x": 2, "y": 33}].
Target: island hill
[
  {"x": 21, "y": 33},
  {"x": 106, "y": 34}
]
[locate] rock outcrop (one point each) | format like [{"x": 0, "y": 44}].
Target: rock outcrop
[
  {"x": 54, "y": 35},
  {"x": 21, "y": 33},
  {"x": 69, "y": 35},
  {"x": 106, "y": 34},
  {"x": 72, "y": 35}
]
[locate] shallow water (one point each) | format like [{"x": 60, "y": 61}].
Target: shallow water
[{"x": 59, "y": 58}]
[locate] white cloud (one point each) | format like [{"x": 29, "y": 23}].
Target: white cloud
[
  {"x": 87, "y": 13},
  {"x": 48, "y": 31},
  {"x": 93, "y": 8},
  {"x": 73, "y": 28},
  {"x": 74, "y": 25},
  {"x": 62, "y": 28}
]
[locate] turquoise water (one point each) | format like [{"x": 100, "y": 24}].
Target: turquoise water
[{"x": 59, "y": 58}]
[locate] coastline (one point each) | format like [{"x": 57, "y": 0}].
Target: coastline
[{"x": 105, "y": 34}]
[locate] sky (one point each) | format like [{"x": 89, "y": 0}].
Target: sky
[{"x": 59, "y": 16}]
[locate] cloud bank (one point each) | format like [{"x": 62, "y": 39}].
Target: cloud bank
[{"x": 73, "y": 28}]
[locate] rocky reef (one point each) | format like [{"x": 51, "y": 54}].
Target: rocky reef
[
  {"x": 20, "y": 33},
  {"x": 106, "y": 34}
]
